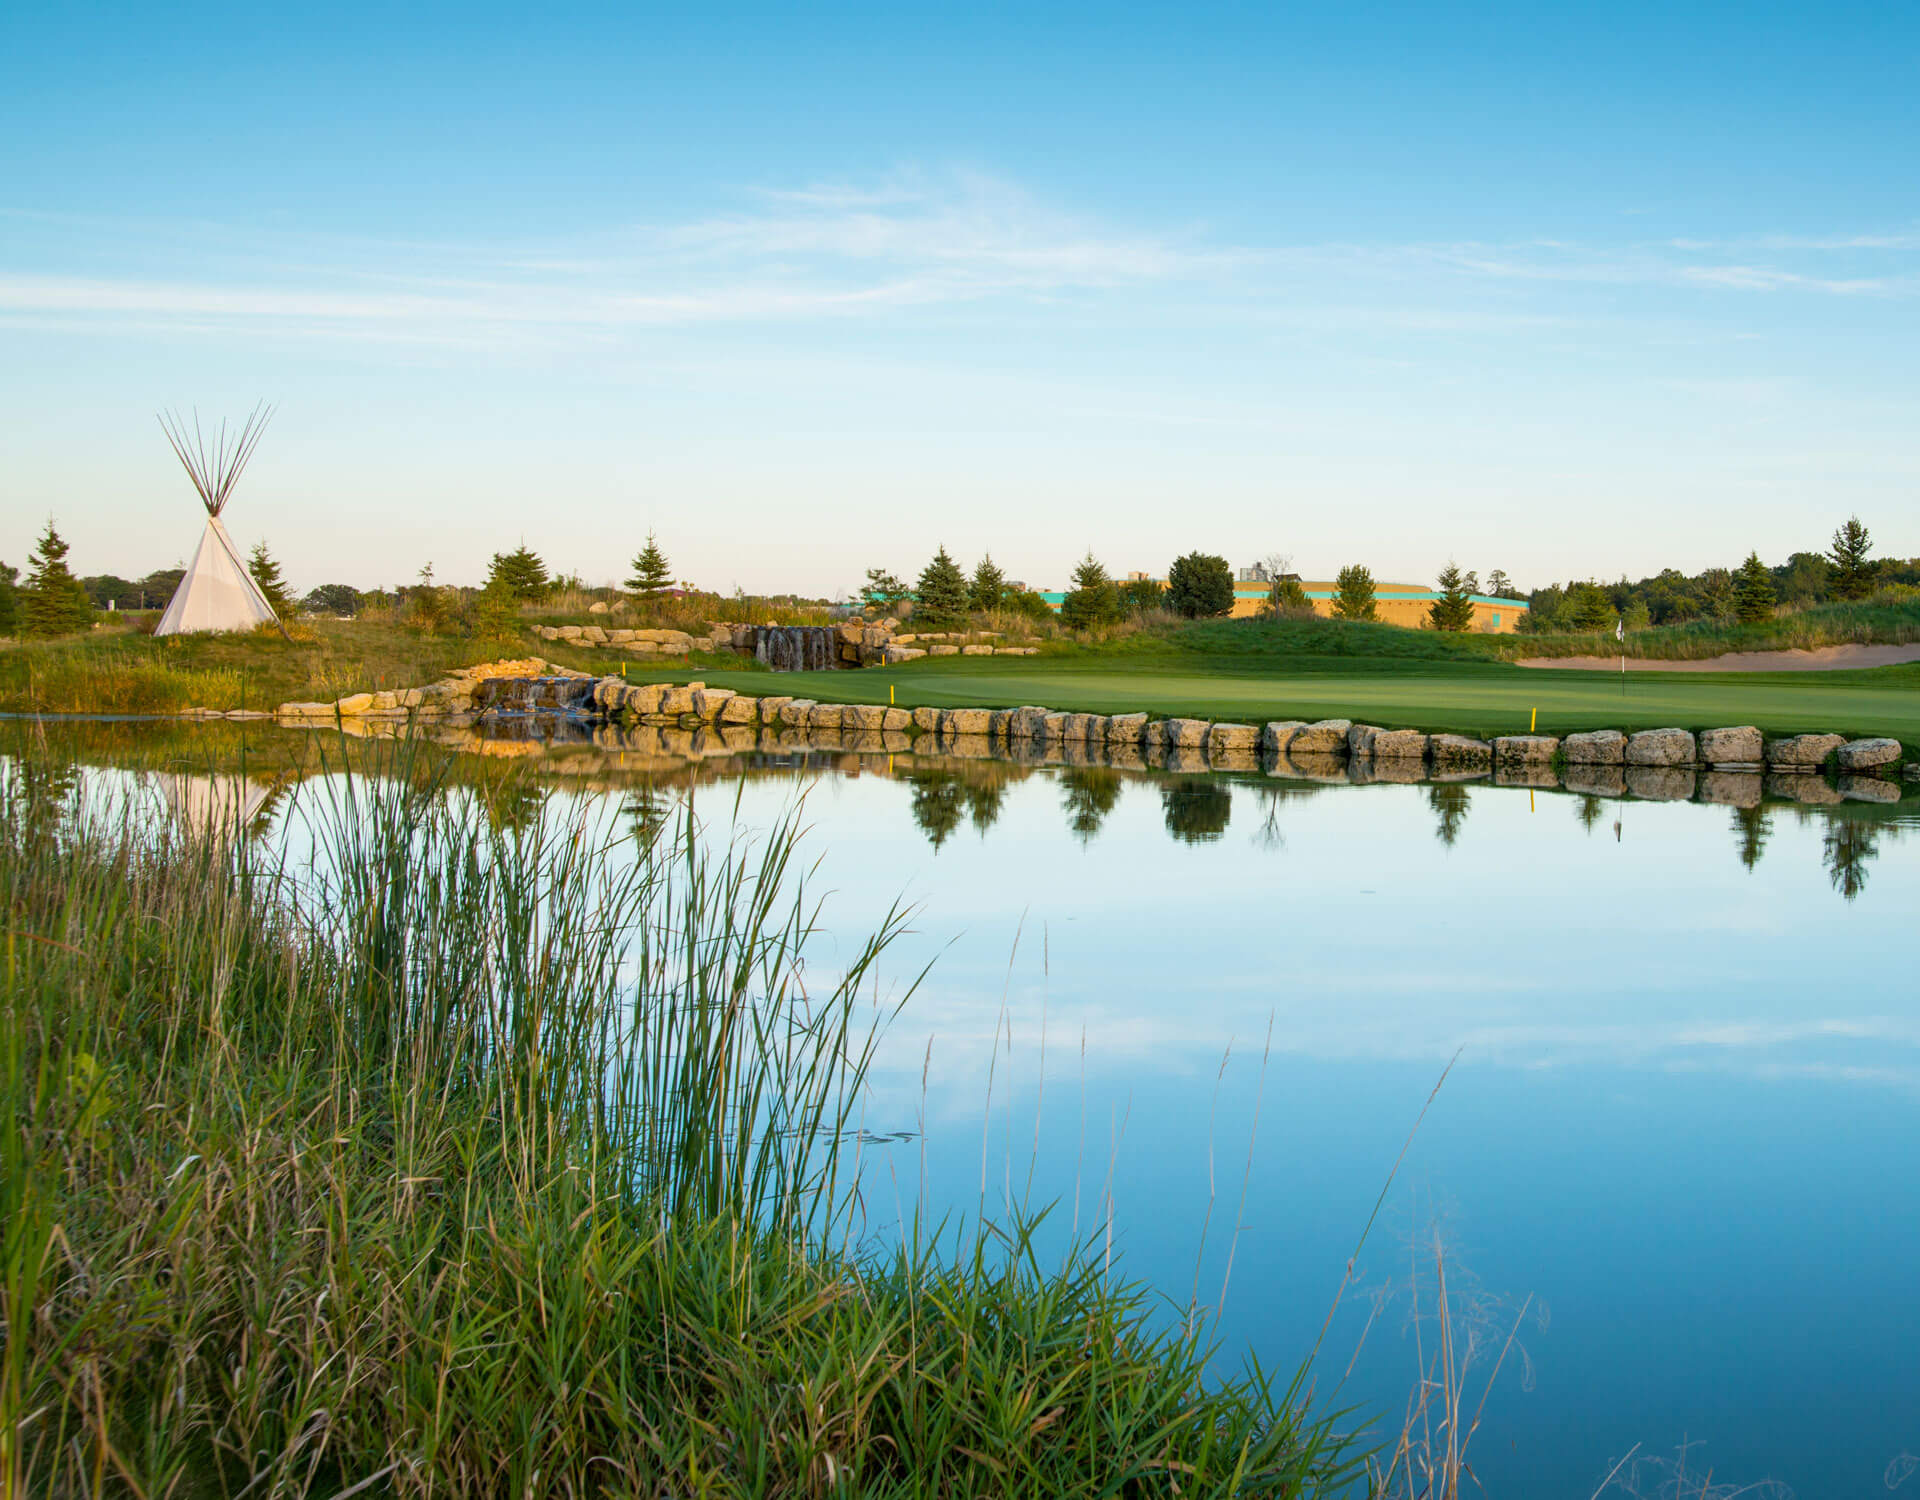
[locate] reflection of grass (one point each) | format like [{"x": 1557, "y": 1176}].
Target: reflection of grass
[{"x": 497, "y": 1165}]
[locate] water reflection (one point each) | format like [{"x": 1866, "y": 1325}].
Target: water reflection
[
  {"x": 1752, "y": 826},
  {"x": 1197, "y": 811},
  {"x": 1088, "y": 794},
  {"x": 1448, "y": 799},
  {"x": 1849, "y": 846}
]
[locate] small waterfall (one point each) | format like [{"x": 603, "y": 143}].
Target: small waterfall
[
  {"x": 797, "y": 648},
  {"x": 533, "y": 695}
]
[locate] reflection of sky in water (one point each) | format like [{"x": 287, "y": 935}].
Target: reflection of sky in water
[{"x": 1686, "y": 1115}]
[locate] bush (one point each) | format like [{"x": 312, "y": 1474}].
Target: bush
[{"x": 1200, "y": 586}]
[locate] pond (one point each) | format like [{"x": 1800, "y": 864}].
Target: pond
[{"x": 1672, "y": 1174}]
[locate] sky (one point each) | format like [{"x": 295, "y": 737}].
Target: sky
[{"x": 1566, "y": 291}]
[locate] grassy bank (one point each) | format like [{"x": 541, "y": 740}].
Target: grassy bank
[{"x": 501, "y": 1163}]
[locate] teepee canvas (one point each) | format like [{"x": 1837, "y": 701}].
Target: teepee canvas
[{"x": 217, "y": 593}]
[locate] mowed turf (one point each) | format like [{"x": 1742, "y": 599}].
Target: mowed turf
[{"x": 1478, "y": 698}]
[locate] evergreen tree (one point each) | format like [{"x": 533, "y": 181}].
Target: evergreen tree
[
  {"x": 1716, "y": 593},
  {"x": 1753, "y": 591},
  {"x": 940, "y": 598},
  {"x": 881, "y": 590},
  {"x": 9, "y": 599},
  {"x": 1353, "y": 594},
  {"x": 1093, "y": 599},
  {"x": 1500, "y": 586},
  {"x": 1453, "y": 610},
  {"x": 496, "y": 613},
  {"x": 988, "y": 587},
  {"x": 1589, "y": 607},
  {"x": 266, "y": 574},
  {"x": 652, "y": 576},
  {"x": 56, "y": 602},
  {"x": 1852, "y": 574},
  {"x": 1200, "y": 586},
  {"x": 522, "y": 571}
]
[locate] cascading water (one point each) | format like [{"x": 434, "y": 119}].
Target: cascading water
[{"x": 796, "y": 648}]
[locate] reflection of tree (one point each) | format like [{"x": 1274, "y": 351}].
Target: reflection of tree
[
  {"x": 1196, "y": 810},
  {"x": 939, "y": 803},
  {"x": 984, "y": 800},
  {"x": 1448, "y": 799},
  {"x": 1589, "y": 811},
  {"x": 1850, "y": 846},
  {"x": 1752, "y": 827},
  {"x": 44, "y": 792},
  {"x": 1089, "y": 794},
  {"x": 647, "y": 811}
]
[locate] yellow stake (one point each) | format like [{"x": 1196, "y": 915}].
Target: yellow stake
[
  {"x": 1534, "y": 722},
  {"x": 889, "y": 695}
]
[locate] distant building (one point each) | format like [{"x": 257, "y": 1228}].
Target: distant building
[
  {"x": 1257, "y": 573},
  {"x": 1405, "y": 604}
]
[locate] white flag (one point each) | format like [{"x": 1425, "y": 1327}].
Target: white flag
[{"x": 1619, "y": 628}]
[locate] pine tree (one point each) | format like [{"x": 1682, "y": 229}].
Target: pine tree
[
  {"x": 1852, "y": 573},
  {"x": 652, "y": 576},
  {"x": 881, "y": 590},
  {"x": 1093, "y": 599},
  {"x": 1753, "y": 591},
  {"x": 496, "y": 612},
  {"x": 266, "y": 573},
  {"x": 9, "y": 599},
  {"x": 1453, "y": 610},
  {"x": 940, "y": 597},
  {"x": 988, "y": 587},
  {"x": 56, "y": 603},
  {"x": 523, "y": 572},
  {"x": 1500, "y": 586},
  {"x": 1353, "y": 594},
  {"x": 1589, "y": 607}
]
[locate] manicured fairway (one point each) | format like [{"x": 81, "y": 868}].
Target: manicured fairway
[{"x": 1467, "y": 698}]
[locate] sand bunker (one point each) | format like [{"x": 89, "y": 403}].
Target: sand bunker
[{"x": 1820, "y": 659}]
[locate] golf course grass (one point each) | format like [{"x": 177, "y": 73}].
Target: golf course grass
[{"x": 1462, "y": 697}]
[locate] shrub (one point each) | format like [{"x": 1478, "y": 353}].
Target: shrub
[
  {"x": 1353, "y": 594},
  {"x": 334, "y": 599},
  {"x": 1199, "y": 586},
  {"x": 1139, "y": 595}
]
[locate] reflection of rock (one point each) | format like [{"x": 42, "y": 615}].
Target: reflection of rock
[
  {"x": 1731, "y": 788},
  {"x": 1125, "y": 756},
  {"x": 1310, "y": 767},
  {"x": 1741, "y": 746},
  {"x": 1660, "y": 747},
  {"x": 967, "y": 746},
  {"x": 1805, "y": 752},
  {"x": 1322, "y": 737},
  {"x": 1395, "y": 769},
  {"x": 1661, "y": 783},
  {"x": 1186, "y": 758},
  {"x": 1458, "y": 752},
  {"x": 1601, "y": 747},
  {"x": 1535, "y": 774},
  {"x": 1803, "y": 787},
  {"x": 1230, "y": 758},
  {"x": 1592, "y": 780},
  {"x": 1868, "y": 789},
  {"x": 1864, "y": 755}
]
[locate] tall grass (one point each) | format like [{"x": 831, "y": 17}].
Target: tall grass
[{"x": 472, "y": 1160}]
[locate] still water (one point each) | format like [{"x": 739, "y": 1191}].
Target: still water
[{"x": 1674, "y": 1171}]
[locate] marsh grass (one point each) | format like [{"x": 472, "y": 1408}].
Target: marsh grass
[{"x": 470, "y": 1159}]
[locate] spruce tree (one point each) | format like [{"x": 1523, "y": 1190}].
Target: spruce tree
[
  {"x": 523, "y": 572},
  {"x": 1852, "y": 573},
  {"x": 1093, "y": 599},
  {"x": 56, "y": 602},
  {"x": 652, "y": 576},
  {"x": 940, "y": 597},
  {"x": 1453, "y": 610},
  {"x": 1589, "y": 607},
  {"x": 496, "y": 612},
  {"x": 1753, "y": 591},
  {"x": 9, "y": 599},
  {"x": 266, "y": 574},
  {"x": 1353, "y": 594},
  {"x": 989, "y": 585}
]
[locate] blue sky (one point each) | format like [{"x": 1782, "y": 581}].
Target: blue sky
[{"x": 1561, "y": 290}]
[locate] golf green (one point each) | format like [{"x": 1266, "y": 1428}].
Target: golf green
[{"x": 1466, "y": 698}]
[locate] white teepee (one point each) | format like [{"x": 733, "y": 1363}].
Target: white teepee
[{"x": 217, "y": 593}]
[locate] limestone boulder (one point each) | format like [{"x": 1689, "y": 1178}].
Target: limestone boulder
[
  {"x": 1405, "y": 745},
  {"x": 894, "y": 655},
  {"x": 1028, "y": 723},
  {"x": 926, "y": 720},
  {"x": 1125, "y": 729},
  {"x": 1599, "y": 747},
  {"x": 1802, "y": 752},
  {"x": 708, "y": 702},
  {"x": 740, "y": 709},
  {"x": 677, "y": 701},
  {"x": 1866, "y": 755},
  {"x": 962, "y": 720},
  {"x": 1660, "y": 747},
  {"x": 905, "y": 639},
  {"x": 1016, "y": 650},
  {"x": 354, "y": 703},
  {"x": 1232, "y": 737},
  {"x": 1740, "y": 746},
  {"x": 1277, "y": 734},
  {"x": 594, "y": 635},
  {"x": 943, "y": 649},
  {"x": 1322, "y": 737},
  {"x": 1185, "y": 734},
  {"x": 864, "y": 716},
  {"x": 304, "y": 711},
  {"x": 1000, "y": 723},
  {"x": 895, "y": 720},
  {"x": 644, "y": 700},
  {"x": 598, "y": 607},
  {"x": 976, "y": 650},
  {"x": 1525, "y": 749},
  {"x": 1360, "y": 738},
  {"x": 827, "y": 716},
  {"x": 1054, "y": 728}
]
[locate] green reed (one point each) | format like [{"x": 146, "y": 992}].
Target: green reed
[{"x": 473, "y": 1160}]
